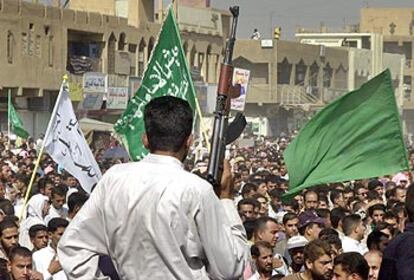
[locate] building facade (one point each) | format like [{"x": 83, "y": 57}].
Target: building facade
[
  {"x": 396, "y": 25},
  {"x": 290, "y": 81},
  {"x": 108, "y": 37}
]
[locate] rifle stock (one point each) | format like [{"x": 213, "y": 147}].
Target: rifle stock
[{"x": 225, "y": 92}]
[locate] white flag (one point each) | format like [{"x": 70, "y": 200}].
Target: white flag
[{"x": 66, "y": 144}]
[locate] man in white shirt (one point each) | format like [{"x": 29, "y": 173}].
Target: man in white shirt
[
  {"x": 354, "y": 230},
  {"x": 45, "y": 260},
  {"x": 57, "y": 209},
  {"x": 156, "y": 220}
]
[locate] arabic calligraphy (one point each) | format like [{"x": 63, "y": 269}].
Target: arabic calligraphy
[{"x": 67, "y": 139}]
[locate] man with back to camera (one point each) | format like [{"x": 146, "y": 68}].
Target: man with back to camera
[
  {"x": 156, "y": 220},
  {"x": 397, "y": 262}
]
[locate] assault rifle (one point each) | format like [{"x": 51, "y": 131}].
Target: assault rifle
[{"x": 223, "y": 133}]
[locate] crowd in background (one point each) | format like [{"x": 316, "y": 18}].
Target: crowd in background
[{"x": 326, "y": 232}]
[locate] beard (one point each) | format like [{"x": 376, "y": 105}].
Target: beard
[{"x": 318, "y": 276}]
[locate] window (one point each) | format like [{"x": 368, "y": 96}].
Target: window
[
  {"x": 327, "y": 75},
  {"x": 10, "y": 46},
  {"x": 121, "y": 42},
  {"x": 283, "y": 72},
  {"x": 300, "y": 73},
  {"x": 314, "y": 72},
  {"x": 50, "y": 51}
]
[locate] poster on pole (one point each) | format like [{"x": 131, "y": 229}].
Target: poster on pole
[{"x": 240, "y": 76}]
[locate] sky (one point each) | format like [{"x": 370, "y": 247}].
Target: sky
[{"x": 289, "y": 14}]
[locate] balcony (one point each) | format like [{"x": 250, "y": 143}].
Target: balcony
[{"x": 298, "y": 95}]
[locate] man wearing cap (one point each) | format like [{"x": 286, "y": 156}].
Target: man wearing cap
[
  {"x": 318, "y": 262},
  {"x": 310, "y": 224},
  {"x": 295, "y": 246}
]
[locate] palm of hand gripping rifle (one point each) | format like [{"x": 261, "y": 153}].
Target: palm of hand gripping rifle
[{"x": 223, "y": 133}]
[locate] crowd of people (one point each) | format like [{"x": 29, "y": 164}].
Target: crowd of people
[{"x": 347, "y": 230}]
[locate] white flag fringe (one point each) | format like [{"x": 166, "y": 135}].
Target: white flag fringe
[{"x": 65, "y": 143}]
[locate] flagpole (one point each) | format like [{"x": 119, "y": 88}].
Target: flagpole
[
  {"x": 202, "y": 125},
  {"x": 29, "y": 188},
  {"x": 8, "y": 115}
]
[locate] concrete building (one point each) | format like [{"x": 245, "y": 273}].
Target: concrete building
[
  {"x": 290, "y": 81},
  {"x": 396, "y": 25},
  {"x": 115, "y": 38}
]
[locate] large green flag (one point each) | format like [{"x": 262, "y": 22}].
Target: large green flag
[
  {"x": 16, "y": 123},
  {"x": 167, "y": 74},
  {"x": 357, "y": 136}
]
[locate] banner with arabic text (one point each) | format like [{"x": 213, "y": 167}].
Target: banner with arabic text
[
  {"x": 66, "y": 144},
  {"x": 167, "y": 74}
]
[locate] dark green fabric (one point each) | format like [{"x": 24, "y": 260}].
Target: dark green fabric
[
  {"x": 16, "y": 123},
  {"x": 357, "y": 136},
  {"x": 167, "y": 74}
]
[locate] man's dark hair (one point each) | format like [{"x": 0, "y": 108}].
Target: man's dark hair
[
  {"x": 350, "y": 222},
  {"x": 374, "y": 239},
  {"x": 353, "y": 262},
  {"x": 19, "y": 251},
  {"x": 168, "y": 123},
  {"x": 7, "y": 207},
  {"x": 373, "y": 195},
  {"x": 289, "y": 216},
  {"x": 258, "y": 195},
  {"x": 5, "y": 224},
  {"x": 390, "y": 215},
  {"x": 254, "y": 250},
  {"x": 249, "y": 226},
  {"x": 248, "y": 201},
  {"x": 316, "y": 249},
  {"x": 276, "y": 193},
  {"x": 337, "y": 214},
  {"x": 332, "y": 239},
  {"x": 358, "y": 187},
  {"x": 56, "y": 223},
  {"x": 374, "y": 207},
  {"x": 324, "y": 199},
  {"x": 373, "y": 184},
  {"x": 59, "y": 190},
  {"x": 247, "y": 188},
  {"x": 323, "y": 213},
  {"x": 35, "y": 229},
  {"x": 409, "y": 202},
  {"x": 261, "y": 222},
  {"x": 327, "y": 231},
  {"x": 76, "y": 199},
  {"x": 292, "y": 203},
  {"x": 335, "y": 194}
]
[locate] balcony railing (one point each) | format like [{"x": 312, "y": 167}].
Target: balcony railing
[{"x": 298, "y": 95}]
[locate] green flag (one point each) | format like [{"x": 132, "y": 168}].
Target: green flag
[
  {"x": 167, "y": 74},
  {"x": 357, "y": 136},
  {"x": 16, "y": 123}
]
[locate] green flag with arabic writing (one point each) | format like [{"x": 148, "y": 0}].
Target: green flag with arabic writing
[
  {"x": 167, "y": 73},
  {"x": 16, "y": 123}
]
